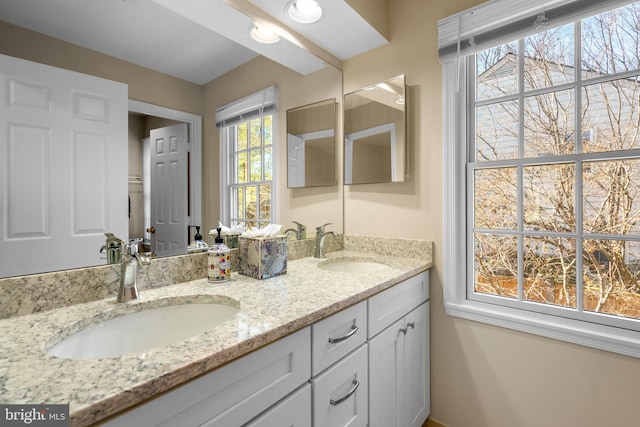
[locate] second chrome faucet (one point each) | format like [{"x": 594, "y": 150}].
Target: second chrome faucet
[
  {"x": 320, "y": 235},
  {"x": 129, "y": 271},
  {"x": 300, "y": 231}
]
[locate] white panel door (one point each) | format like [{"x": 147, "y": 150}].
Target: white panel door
[
  {"x": 63, "y": 159},
  {"x": 169, "y": 190}
]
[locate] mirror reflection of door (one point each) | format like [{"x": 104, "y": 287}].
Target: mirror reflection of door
[
  {"x": 295, "y": 153},
  {"x": 311, "y": 145},
  {"x": 62, "y": 180},
  {"x": 375, "y": 133},
  {"x": 168, "y": 193},
  {"x": 371, "y": 155},
  {"x": 140, "y": 189}
]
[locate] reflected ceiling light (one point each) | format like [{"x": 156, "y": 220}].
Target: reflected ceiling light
[
  {"x": 262, "y": 34},
  {"x": 304, "y": 11},
  {"x": 400, "y": 100}
]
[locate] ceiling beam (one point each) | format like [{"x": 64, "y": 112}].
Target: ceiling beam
[{"x": 259, "y": 15}]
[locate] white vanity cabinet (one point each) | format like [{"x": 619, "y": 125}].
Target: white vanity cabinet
[
  {"x": 367, "y": 365},
  {"x": 399, "y": 391}
]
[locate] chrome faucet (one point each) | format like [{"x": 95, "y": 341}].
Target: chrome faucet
[
  {"x": 320, "y": 235},
  {"x": 301, "y": 232},
  {"x": 129, "y": 271}
]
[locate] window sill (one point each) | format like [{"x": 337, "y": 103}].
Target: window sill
[{"x": 608, "y": 338}]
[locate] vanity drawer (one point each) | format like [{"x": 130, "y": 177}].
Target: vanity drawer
[
  {"x": 340, "y": 394},
  {"x": 392, "y": 304},
  {"x": 233, "y": 394},
  {"x": 292, "y": 411},
  {"x": 337, "y": 335}
]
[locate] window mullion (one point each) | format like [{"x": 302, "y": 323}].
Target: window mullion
[
  {"x": 520, "y": 174},
  {"x": 578, "y": 204},
  {"x": 468, "y": 91}
]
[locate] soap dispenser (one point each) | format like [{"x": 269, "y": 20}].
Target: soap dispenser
[
  {"x": 219, "y": 256},
  {"x": 198, "y": 245}
]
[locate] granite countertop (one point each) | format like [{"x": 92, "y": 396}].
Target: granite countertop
[{"x": 269, "y": 309}]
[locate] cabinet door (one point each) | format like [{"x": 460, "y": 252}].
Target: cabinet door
[
  {"x": 416, "y": 360},
  {"x": 386, "y": 377},
  {"x": 293, "y": 411},
  {"x": 340, "y": 393}
]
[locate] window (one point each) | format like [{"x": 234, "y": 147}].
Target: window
[
  {"x": 547, "y": 222},
  {"x": 247, "y": 138}
]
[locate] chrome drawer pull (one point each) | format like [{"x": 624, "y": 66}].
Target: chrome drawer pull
[
  {"x": 353, "y": 330},
  {"x": 348, "y": 395},
  {"x": 409, "y": 325}
]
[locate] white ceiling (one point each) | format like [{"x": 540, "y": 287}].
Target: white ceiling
[{"x": 195, "y": 40}]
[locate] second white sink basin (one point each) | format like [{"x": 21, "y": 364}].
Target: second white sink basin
[
  {"x": 349, "y": 265},
  {"x": 142, "y": 330}
]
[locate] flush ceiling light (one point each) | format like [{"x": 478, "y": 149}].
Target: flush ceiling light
[
  {"x": 304, "y": 11},
  {"x": 262, "y": 34}
]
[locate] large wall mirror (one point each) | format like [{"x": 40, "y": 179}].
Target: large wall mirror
[
  {"x": 375, "y": 133},
  {"x": 311, "y": 145}
]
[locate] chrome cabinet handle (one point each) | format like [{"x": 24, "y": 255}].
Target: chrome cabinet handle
[
  {"x": 409, "y": 325},
  {"x": 353, "y": 330},
  {"x": 346, "y": 396}
]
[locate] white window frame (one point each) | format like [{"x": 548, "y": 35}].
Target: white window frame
[
  {"x": 456, "y": 302},
  {"x": 236, "y": 110}
]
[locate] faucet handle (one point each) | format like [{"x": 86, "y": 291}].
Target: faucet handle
[
  {"x": 300, "y": 226},
  {"x": 321, "y": 228},
  {"x": 132, "y": 246}
]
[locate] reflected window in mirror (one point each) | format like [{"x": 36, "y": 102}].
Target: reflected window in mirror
[
  {"x": 247, "y": 132},
  {"x": 311, "y": 145},
  {"x": 375, "y": 133}
]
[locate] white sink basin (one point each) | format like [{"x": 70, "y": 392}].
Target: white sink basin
[
  {"x": 141, "y": 330},
  {"x": 348, "y": 265}
]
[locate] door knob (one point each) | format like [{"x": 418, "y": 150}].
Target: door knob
[{"x": 151, "y": 230}]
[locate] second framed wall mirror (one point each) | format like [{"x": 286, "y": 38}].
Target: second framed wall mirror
[
  {"x": 311, "y": 145},
  {"x": 375, "y": 133}
]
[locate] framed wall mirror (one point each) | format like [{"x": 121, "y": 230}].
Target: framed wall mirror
[
  {"x": 375, "y": 133},
  {"x": 311, "y": 145}
]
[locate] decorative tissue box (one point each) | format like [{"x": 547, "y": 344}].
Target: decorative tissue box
[
  {"x": 262, "y": 257},
  {"x": 231, "y": 240}
]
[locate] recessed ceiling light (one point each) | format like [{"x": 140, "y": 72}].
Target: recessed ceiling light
[
  {"x": 304, "y": 11},
  {"x": 262, "y": 34}
]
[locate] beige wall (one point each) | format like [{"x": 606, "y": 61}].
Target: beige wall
[
  {"x": 481, "y": 375},
  {"x": 311, "y": 206}
]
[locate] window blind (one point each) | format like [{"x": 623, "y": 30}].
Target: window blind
[
  {"x": 500, "y": 21},
  {"x": 247, "y": 108}
]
